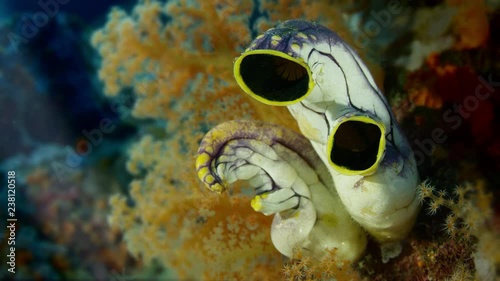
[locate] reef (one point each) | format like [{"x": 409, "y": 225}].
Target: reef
[
  {"x": 177, "y": 57},
  {"x": 161, "y": 72}
]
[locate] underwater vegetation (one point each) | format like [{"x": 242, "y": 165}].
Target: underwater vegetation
[{"x": 127, "y": 203}]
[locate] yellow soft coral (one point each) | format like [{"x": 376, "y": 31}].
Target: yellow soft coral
[
  {"x": 176, "y": 77},
  {"x": 180, "y": 71}
]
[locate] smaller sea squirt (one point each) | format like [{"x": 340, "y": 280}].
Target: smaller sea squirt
[{"x": 289, "y": 180}]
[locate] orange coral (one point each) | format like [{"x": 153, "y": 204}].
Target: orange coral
[
  {"x": 470, "y": 23},
  {"x": 174, "y": 67},
  {"x": 424, "y": 97},
  {"x": 187, "y": 80},
  {"x": 199, "y": 234}
]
